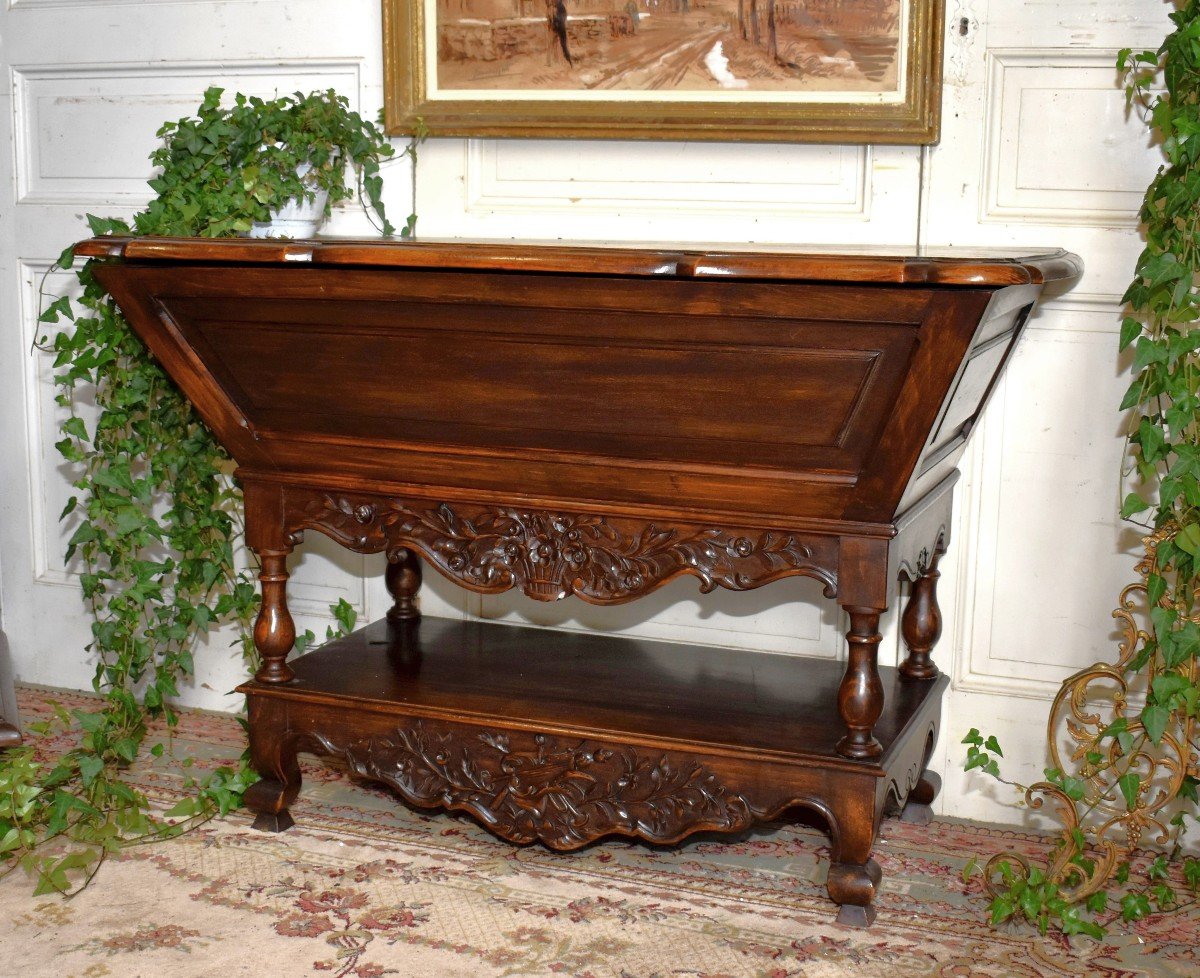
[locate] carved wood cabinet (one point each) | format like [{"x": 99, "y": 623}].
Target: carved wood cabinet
[{"x": 594, "y": 421}]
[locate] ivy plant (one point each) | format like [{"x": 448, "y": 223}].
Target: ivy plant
[
  {"x": 227, "y": 167},
  {"x": 155, "y": 516},
  {"x": 1088, "y": 883}
]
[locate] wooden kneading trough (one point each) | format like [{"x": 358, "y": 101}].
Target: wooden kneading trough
[{"x": 594, "y": 421}]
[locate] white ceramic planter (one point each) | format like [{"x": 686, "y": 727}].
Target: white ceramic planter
[{"x": 297, "y": 218}]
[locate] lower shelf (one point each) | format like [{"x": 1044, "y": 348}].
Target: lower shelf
[
  {"x": 578, "y": 684},
  {"x": 565, "y": 738}
]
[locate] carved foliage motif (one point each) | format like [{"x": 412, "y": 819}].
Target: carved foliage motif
[
  {"x": 552, "y": 555},
  {"x": 565, "y": 793}
]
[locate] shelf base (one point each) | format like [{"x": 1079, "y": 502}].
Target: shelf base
[{"x": 565, "y": 738}]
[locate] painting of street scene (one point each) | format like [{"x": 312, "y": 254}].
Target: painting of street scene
[{"x": 679, "y": 46}]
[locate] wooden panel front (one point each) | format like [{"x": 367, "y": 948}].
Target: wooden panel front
[
  {"x": 786, "y": 379},
  {"x": 775, "y": 394},
  {"x": 763, "y": 398}
]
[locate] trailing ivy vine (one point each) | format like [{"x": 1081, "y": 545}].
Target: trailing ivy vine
[
  {"x": 156, "y": 514},
  {"x": 1137, "y": 773}
]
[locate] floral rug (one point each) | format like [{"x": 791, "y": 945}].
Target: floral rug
[{"x": 363, "y": 886}]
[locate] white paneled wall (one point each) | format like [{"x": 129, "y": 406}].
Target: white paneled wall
[
  {"x": 1038, "y": 146},
  {"x": 1037, "y": 149},
  {"x": 679, "y": 191},
  {"x": 83, "y": 133}
]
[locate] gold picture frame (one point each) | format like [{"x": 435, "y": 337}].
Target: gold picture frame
[{"x": 861, "y": 71}]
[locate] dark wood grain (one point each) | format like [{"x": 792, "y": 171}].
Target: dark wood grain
[{"x": 594, "y": 421}]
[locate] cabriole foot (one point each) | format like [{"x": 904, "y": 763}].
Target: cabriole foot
[
  {"x": 853, "y": 886},
  {"x": 852, "y": 915},
  {"x": 270, "y": 798},
  {"x": 274, "y": 821},
  {"x": 917, "y": 810}
]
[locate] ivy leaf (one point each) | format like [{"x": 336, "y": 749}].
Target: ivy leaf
[
  {"x": 1188, "y": 539},
  {"x": 1133, "y": 505},
  {"x": 101, "y": 226},
  {"x": 1130, "y": 328},
  {"x": 1119, "y": 725},
  {"x": 1154, "y": 719},
  {"x": 967, "y": 871},
  {"x": 1191, "y": 872},
  {"x": 1149, "y": 351},
  {"x": 1167, "y": 685},
  {"x": 1152, "y": 440},
  {"x": 1134, "y": 906},
  {"x": 1157, "y": 870},
  {"x": 59, "y": 308},
  {"x": 1129, "y": 783},
  {"x": 185, "y": 808},
  {"x": 1003, "y": 907},
  {"x": 1074, "y": 788},
  {"x": 75, "y": 428},
  {"x": 90, "y": 767}
]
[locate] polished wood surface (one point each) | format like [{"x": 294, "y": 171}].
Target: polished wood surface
[
  {"x": 595, "y": 421},
  {"x": 596, "y": 686},
  {"x": 868, "y": 263}
]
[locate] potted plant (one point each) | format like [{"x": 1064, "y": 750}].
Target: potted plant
[
  {"x": 154, "y": 514},
  {"x": 230, "y": 170}
]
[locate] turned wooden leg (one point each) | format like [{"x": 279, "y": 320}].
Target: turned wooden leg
[
  {"x": 403, "y": 579},
  {"x": 917, "y": 810},
  {"x": 273, "y": 756},
  {"x": 854, "y": 877},
  {"x": 860, "y": 698},
  {"x": 274, "y": 630},
  {"x": 921, "y": 625}
]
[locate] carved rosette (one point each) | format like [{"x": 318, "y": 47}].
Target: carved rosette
[
  {"x": 528, "y": 787},
  {"x": 552, "y": 555}
]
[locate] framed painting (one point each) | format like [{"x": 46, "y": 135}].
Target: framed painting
[{"x": 768, "y": 70}]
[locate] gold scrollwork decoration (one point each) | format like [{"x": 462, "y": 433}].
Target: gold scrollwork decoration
[{"x": 1101, "y": 824}]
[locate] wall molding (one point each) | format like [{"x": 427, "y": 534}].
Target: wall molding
[
  {"x": 173, "y": 88},
  {"x": 1103, "y": 309},
  {"x": 845, "y": 196},
  {"x": 91, "y": 5},
  {"x": 1018, "y": 75},
  {"x": 991, "y": 654},
  {"x": 975, "y": 534},
  {"x": 48, "y": 565}
]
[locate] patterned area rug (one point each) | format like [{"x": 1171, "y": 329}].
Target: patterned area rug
[{"x": 365, "y": 887}]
